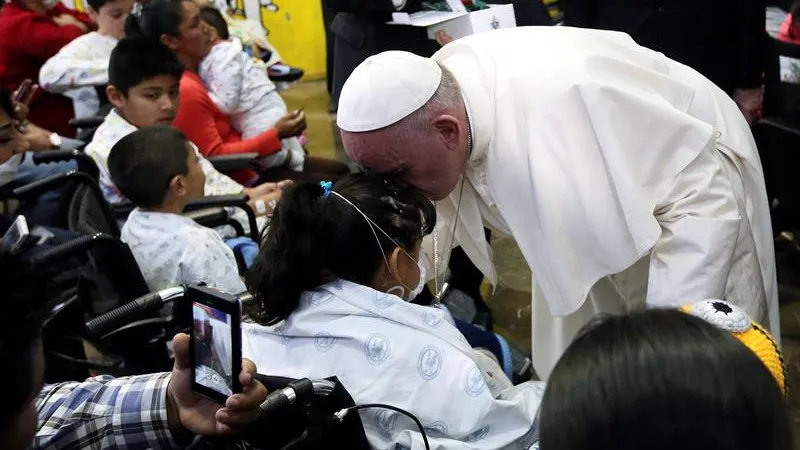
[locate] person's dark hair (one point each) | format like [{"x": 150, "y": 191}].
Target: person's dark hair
[
  {"x": 135, "y": 60},
  {"x": 6, "y": 104},
  {"x": 213, "y": 17},
  {"x": 794, "y": 10},
  {"x": 155, "y": 18},
  {"x": 658, "y": 380},
  {"x": 143, "y": 163},
  {"x": 24, "y": 298},
  {"x": 313, "y": 239},
  {"x": 97, "y": 4}
]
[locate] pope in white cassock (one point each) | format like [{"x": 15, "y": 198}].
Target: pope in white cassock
[{"x": 626, "y": 178}]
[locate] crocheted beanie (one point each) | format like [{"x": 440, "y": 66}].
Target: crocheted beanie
[{"x": 733, "y": 319}]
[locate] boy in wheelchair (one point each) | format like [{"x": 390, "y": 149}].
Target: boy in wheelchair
[
  {"x": 157, "y": 169},
  {"x": 143, "y": 86}
]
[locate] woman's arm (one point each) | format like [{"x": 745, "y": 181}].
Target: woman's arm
[
  {"x": 42, "y": 38},
  {"x": 196, "y": 120}
]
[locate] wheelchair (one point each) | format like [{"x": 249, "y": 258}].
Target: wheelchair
[
  {"x": 306, "y": 424},
  {"x": 110, "y": 276}
]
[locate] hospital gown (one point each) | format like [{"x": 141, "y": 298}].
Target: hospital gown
[
  {"x": 386, "y": 350},
  {"x": 172, "y": 250}
]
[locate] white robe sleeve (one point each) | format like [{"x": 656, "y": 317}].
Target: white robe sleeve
[
  {"x": 74, "y": 66},
  {"x": 699, "y": 218},
  {"x": 223, "y": 73}
]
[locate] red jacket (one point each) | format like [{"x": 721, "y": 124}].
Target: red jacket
[
  {"x": 210, "y": 129},
  {"x": 27, "y": 41}
]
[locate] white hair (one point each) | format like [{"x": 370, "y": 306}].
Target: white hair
[{"x": 446, "y": 98}]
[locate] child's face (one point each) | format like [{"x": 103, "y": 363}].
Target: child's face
[
  {"x": 111, "y": 17},
  {"x": 154, "y": 101}
]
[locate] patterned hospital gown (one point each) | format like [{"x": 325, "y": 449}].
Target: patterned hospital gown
[
  {"x": 242, "y": 89},
  {"x": 171, "y": 250},
  {"x": 77, "y": 68}
]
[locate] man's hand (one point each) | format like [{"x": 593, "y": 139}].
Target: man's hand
[
  {"x": 750, "y": 102},
  {"x": 443, "y": 38},
  {"x": 291, "y": 124},
  {"x": 66, "y": 19},
  {"x": 199, "y": 415}
]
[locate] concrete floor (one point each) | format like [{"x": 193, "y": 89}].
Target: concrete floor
[{"x": 510, "y": 303}]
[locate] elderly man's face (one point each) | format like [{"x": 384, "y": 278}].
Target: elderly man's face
[{"x": 431, "y": 164}]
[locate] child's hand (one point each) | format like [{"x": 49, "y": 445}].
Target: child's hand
[{"x": 291, "y": 124}]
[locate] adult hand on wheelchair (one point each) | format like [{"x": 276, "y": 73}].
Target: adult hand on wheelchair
[{"x": 201, "y": 416}]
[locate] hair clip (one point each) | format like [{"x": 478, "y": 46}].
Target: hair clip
[{"x": 327, "y": 186}]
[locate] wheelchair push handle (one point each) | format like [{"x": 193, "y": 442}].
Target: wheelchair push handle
[{"x": 124, "y": 314}]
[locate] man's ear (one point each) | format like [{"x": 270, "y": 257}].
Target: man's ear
[
  {"x": 449, "y": 129},
  {"x": 169, "y": 41},
  {"x": 115, "y": 96}
]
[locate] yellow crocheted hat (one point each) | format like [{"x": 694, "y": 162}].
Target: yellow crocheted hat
[{"x": 733, "y": 319}]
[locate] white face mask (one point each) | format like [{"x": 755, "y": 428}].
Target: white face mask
[
  {"x": 413, "y": 293},
  {"x": 8, "y": 170},
  {"x": 50, "y": 4}
]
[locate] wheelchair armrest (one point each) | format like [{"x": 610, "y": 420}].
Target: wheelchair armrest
[
  {"x": 208, "y": 217},
  {"x": 85, "y": 162},
  {"x": 217, "y": 201},
  {"x": 87, "y": 122},
  {"x": 239, "y": 161},
  {"x": 77, "y": 246},
  {"x": 237, "y": 201},
  {"x": 50, "y": 183}
]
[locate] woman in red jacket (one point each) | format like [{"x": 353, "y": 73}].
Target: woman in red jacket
[
  {"x": 31, "y": 32},
  {"x": 177, "y": 24}
]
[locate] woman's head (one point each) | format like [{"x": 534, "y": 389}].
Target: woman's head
[
  {"x": 11, "y": 140},
  {"x": 661, "y": 379},
  {"x": 174, "y": 23},
  {"x": 364, "y": 229}
]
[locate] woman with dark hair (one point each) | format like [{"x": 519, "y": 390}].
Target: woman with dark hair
[
  {"x": 337, "y": 270},
  {"x": 661, "y": 379},
  {"x": 177, "y": 24}
]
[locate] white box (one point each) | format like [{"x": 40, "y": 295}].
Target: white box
[
  {"x": 494, "y": 18},
  {"x": 459, "y": 24}
]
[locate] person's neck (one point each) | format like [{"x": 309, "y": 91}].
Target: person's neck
[
  {"x": 125, "y": 118},
  {"x": 106, "y": 33},
  {"x": 188, "y": 62},
  {"x": 168, "y": 207}
]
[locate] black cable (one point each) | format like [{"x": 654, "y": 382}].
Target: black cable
[{"x": 396, "y": 409}]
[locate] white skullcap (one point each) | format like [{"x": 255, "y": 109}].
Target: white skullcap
[{"x": 386, "y": 88}]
